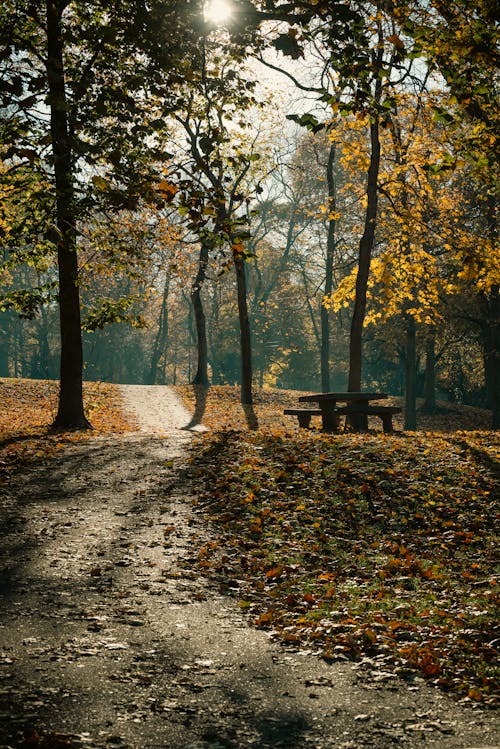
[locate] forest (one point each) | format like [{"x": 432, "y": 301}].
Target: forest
[
  {"x": 299, "y": 195},
  {"x": 212, "y": 211}
]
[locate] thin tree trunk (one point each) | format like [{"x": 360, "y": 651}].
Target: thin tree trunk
[
  {"x": 491, "y": 333},
  {"x": 491, "y": 354},
  {"x": 201, "y": 376},
  {"x": 4, "y": 358},
  {"x": 245, "y": 337},
  {"x": 70, "y": 413},
  {"x": 429, "y": 405},
  {"x": 4, "y": 346},
  {"x": 43, "y": 343},
  {"x": 364, "y": 259},
  {"x": 161, "y": 338},
  {"x": 411, "y": 375},
  {"x": 330, "y": 247}
]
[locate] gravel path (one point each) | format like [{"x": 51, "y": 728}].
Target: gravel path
[{"x": 110, "y": 638}]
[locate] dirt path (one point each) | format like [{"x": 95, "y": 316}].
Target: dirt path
[{"x": 109, "y": 637}]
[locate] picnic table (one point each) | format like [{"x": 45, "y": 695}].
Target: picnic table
[{"x": 358, "y": 406}]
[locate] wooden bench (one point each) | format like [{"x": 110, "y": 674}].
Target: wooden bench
[
  {"x": 303, "y": 415},
  {"x": 384, "y": 412}
]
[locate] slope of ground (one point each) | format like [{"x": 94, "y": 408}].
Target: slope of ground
[
  {"x": 27, "y": 409},
  {"x": 112, "y": 635},
  {"x": 365, "y": 546}
]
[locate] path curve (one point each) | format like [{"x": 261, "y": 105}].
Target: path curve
[
  {"x": 109, "y": 637},
  {"x": 157, "y": 409}
]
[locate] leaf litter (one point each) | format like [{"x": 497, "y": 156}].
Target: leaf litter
[
  {"x": 379, "y": 549},
  {"x": 253, "y": 599},
  {"x": 28, "y": 409}
]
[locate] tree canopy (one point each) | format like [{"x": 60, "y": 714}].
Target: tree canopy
[{"x": 113, "y": 112}]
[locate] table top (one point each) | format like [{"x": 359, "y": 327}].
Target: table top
[{"x": 347, "y": 397}]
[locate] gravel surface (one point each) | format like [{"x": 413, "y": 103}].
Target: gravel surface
[{"x": 109, "y": 637}]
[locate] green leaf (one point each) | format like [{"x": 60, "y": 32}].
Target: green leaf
[
  {"x": 100, "y": 183},
  {"x": 308, "y": 121},
  {"x": 288, "y": 45}
]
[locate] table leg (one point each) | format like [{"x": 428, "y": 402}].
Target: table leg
[
  {"x": 358, "y": 421},
  {"x": 330, "y": 417},
  {"x": 304, "y": 420},
  {"x": 387, "y": 423}
]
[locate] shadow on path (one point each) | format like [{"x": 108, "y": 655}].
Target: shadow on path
[
  {"x": 109, "y": 636},
  {"x": 200, "y": 393}
]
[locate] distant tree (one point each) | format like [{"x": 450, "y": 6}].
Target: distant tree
[{"x": 215, "y": 162}]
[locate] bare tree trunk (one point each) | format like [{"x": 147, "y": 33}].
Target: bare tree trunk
[
  {"x": 161, "y": 337},
  {"x": 411, "y": 375},
  {"x": 201, "y": 376},
  {"x": 364, "y": 260},
  {"x": 43, "y": 343},
  {"x": 4, "y": 345},
  {"x": 70, "y": 412},
  {"x": 491, "y": 332},
  {"x": 330, "y": 247},
  {"x": 214, "y": 336},
  {"x": 491, "y": 354},
  {"x": 429, "y": 405},
  {"x": 4, "y": 358},
  {"x": 245, "y": 337}
]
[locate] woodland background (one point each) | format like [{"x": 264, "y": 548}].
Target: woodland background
[{"x": 242, "y": 203}]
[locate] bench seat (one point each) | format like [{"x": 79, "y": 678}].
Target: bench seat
[
  {"x": 303, "y": 414},
  {"x": 384, "y": 412}
]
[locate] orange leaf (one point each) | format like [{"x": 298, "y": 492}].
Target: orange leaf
[
  {"x": 264, "y": 619},
  {"x": 274, "y": 572},
  {"x": 474, "y": 694},
  {"x": 167, "y": 189}
]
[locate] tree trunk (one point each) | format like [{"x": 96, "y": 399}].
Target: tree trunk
[
  {"x": 17, "y": 348},
  {"x": 43, "y": 344},
  {"x": 491, "y": 333},
  {"x": 4, "y": 358},
  {"x": 411, "y": 375},
  {"x": 429, "y": 405},
  {"x": 70, "y": 413},
  {"x": 330, "y": 247},
  {"x": 4, "y": 346},
  {"x": 201, "y": 376},
  {"x": 245, "y": 338},
  {"x": 161, "y": 338},
  {"x": 491, "y": 354},
  {"x": 364, "y": 260}
]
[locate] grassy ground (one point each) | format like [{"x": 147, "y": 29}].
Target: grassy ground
[
  {"x": 368, "y": 546},
  {"x": 27, "y": 409}
]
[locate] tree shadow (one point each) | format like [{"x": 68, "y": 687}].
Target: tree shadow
[
  {"x": 18, "y": 438},
  {"x": 250, "y": 416},
  {"x": 200, "y": 395}
]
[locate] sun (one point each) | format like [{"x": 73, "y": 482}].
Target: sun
[{"x": 217, "y": 11}]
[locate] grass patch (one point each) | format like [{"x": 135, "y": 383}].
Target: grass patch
[
  {"x": 28, "y": 408},
  {"x": 366, "y": 546}
]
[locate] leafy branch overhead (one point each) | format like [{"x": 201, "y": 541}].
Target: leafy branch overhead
[{"x": 380, "y": 206}]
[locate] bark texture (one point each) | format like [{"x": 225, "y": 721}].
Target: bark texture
[
  {"x": 245, "y": 336},
  {"x": 161, "y": 339},
  {"x": 70, "y": 414},
  {"x": 330, "y": 247},
  {"x": 201, "y": 375},
  {"x": 364, "y": 260},
  {"x": 411, "y": 375}
]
